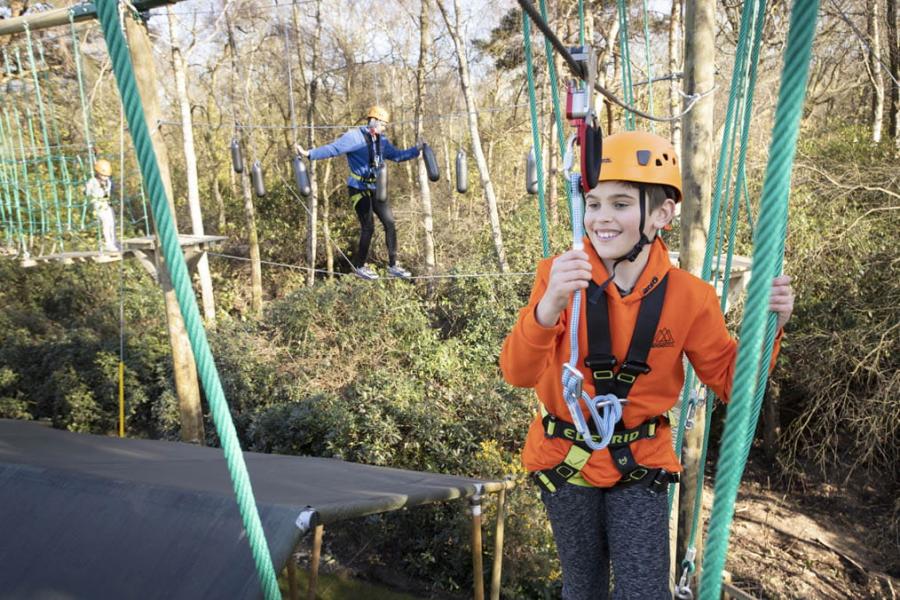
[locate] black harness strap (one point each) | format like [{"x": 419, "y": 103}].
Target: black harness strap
[{"x": 601, "y": 361}]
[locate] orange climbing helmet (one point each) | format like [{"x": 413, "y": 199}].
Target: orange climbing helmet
[
  {"x": 640, "y": 157},
  {"x": 102, "y": 167},
  {"x": 378, "y": 112}
]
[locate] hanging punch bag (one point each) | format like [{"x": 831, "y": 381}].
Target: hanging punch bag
[
  {"x": 381, "y": 183},
  {"x": 462, "y": 172},
  {"x": 256, "y": 175},
  {"x": 531, "y": 182},
  {"x": 237, "y": 159},
  {"x": 301, "y": 177},
  {"x": 431, "y": 165}
]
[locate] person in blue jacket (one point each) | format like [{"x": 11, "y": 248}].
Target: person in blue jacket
[{"x": 367, "y": 148}]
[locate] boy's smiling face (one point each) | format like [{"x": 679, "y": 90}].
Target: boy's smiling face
[{"x": 612, "y": 216}]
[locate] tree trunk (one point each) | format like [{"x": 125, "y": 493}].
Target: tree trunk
[
  {"x": 184, "y": 368},
  {"x": 697, "y": 142},
  {"x": 310, "y": 86},
  {"x": 675, "y": 47},
  {"x": 873, "y": 66},
  {"x": 246, "y": 142},
  {"x": 424, "y": 191},
  {"x": 190, "y": 167},
  {"x": 893, "y": 42},
  {"x": 483, "y": 171}
]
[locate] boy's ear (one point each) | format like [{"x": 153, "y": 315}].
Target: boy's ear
[{"x": 663, "y": 215}]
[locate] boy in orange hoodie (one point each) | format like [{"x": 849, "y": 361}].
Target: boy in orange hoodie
[{"x": 640, "y": 315}]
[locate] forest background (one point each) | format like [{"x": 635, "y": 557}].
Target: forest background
[{"x": 315, "y": 361}]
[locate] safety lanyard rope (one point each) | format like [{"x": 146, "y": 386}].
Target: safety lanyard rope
[{"x": 605, "y": 409}]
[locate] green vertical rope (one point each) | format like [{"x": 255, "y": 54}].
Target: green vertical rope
[
  {"x": 649, "y": 65},
  {"x": 35, "y": 177},
  {"x": 43, "y": 117},
  {"x": 557, "y": 114},
  {"x": 759, "y": 323},
  {"x": 535, "y": 133},
  {"x": 714, "y": 240},
  {"x": 85, "y": 106},
  {"x": 57, "y": 145},
  {"x": 107, "y": 11},
  {"x": 625, "y": 52},
  {"x": 736, "y": 76},
  {"x": 14, "y": 176},
  {"x": 740, "y": 185},
  {"x": 25, "y": 181},
  {"x": 580, "y": 22},
  {"x": 6, "y": 180}
]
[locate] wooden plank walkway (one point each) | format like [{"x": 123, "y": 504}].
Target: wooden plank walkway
[{"x": 130, "y": 247}]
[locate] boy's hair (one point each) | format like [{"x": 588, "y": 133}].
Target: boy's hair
[{"x": 656, "y": 193}]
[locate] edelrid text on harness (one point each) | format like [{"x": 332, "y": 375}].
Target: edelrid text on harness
[{"x": 607, "y": 380}]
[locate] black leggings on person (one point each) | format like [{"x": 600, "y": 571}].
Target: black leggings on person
[{"x": 366, "y": 207}]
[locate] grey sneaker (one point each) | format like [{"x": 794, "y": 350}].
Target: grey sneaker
[
  {"x": 398, "y": 271},
  {"x": 365, "y": 272}
]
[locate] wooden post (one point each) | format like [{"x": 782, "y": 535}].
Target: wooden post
[
  {"x": 314, "y": 562},
  {"x": 697, "y": 143},
  {"x": 477, "y": 564},
  {"x": 184, "y": 367},
  {"x": 498, "y": 546}
]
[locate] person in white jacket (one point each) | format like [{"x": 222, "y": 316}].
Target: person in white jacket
[{"x": 98, "y": 190}]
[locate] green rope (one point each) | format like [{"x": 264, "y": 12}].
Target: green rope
[
  {"x": 14, "y": 181},
  {"x": 107, "y": 11},
  {"x": 85, "y": 106},
  {"x": 35, "y": 176},
  {"x": 557, "y": 114},
  {"x": 46, "y": 136},
  {"x": 6, "y": 179},
  {"x": 759, "y": 323},
  {"x": 649, "y": 65},
  {"x": 54, "y": 124},
  {"x": 580, "y": 22},
  {"x": 535, "y": 134},
  {"x": 752, "y": 13},
  {"x": 25, "y": 181},
  {"x": 625, "y": 52}
]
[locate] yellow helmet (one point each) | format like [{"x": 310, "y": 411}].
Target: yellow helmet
[
  {"x": 640, "y": 157},
  {"x": 102, "y": 167},
  {"x": 378, "y": 112}
]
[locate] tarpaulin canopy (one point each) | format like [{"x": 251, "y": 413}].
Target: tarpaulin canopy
[{"x": 87, "y": 516}]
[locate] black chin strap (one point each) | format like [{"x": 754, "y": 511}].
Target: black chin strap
[{"x": 632, "y": 254}]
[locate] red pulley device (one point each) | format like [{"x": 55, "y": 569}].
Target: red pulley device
[{"x": 580, "y": 113}]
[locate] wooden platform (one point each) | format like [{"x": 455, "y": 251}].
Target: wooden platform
[{"x": 139, "y": 247}]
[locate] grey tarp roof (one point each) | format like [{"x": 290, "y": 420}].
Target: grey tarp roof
[{"x": 86, "y": 516}]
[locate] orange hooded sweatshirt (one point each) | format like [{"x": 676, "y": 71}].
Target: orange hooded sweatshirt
[{"x": 691, "y": 324}]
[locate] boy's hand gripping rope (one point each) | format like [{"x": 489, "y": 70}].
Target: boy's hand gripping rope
[{"x": 606, "y": 409}]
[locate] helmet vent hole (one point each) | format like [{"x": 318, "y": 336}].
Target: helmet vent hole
[{"x": 658, "y": 163}]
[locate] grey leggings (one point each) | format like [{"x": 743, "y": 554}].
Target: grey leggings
[{"x": 626, "y": 527}]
